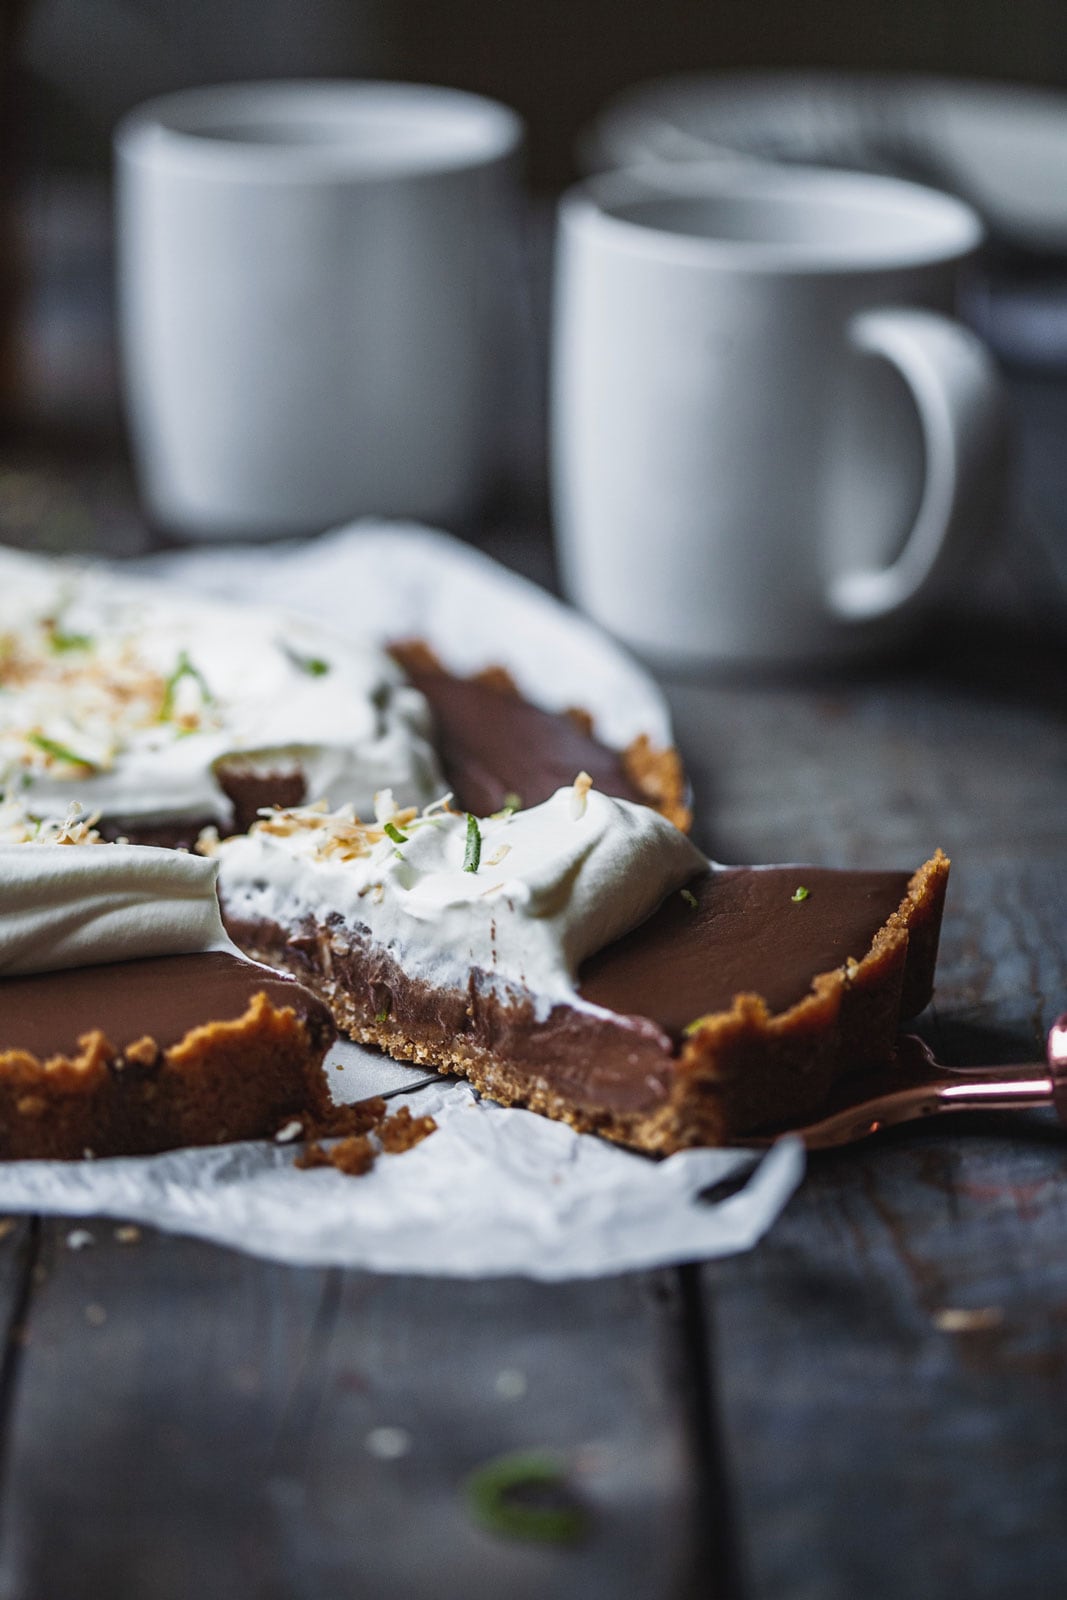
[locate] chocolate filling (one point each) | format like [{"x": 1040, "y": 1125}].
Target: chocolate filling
[
  {"x": 492, "y": 744},
  {"x": 247, "y": 790},
  {"x": 745, "y": 935},
  {"x": 177, "y": 835},
  {"x": 163, "y": 997},
  {"x": 597, "y": 1062}
]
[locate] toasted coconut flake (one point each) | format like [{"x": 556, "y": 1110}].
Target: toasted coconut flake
[
  {"x": 340, "y": 835},
  {"x": 385, "y": 807},
  {"x": 19, "y": 825},
  {"x": 582, "y": 785},
  {"x": 436, "y": 807},
  {"x": 89, "y": 696},
  {"x": 75, "y": 829}
]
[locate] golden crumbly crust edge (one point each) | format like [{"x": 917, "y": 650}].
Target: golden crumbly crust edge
[
  {"x": 224, "y": 1080},
  {"x": 745, "y": 1070}
]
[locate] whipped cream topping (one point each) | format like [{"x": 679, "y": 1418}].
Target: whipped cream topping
[
  {"x": 64, "y": 906},
  {"x": 113, "y": 690},
  {"x": 553, "y": 884}
]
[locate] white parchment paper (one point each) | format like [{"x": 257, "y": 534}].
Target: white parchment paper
[{"x": 494, "y": 1190}]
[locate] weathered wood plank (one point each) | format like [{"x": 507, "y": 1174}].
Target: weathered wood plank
[
  {"x": 865, "y": 771},
  {"x": 138, "y": 1425},
  {"x": 891, "y": 1364},
  {"x": 18, "y": 1257},
  {"x": 191, "y": 1423},
  {"x": 601, "y": 1387}
]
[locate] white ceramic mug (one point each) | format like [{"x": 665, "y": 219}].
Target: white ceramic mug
[
  {"x": 770, "y": 441},
  {"x": 312, "y": 281}
]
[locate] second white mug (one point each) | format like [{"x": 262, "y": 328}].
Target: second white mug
[{"x": 770, "y": 440}]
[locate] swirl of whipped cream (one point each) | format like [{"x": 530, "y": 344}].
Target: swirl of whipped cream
[
  {"x": 72, "y": 906},
  {"x": 138, "y": 700},
  {"x": 553, "y": 884}
]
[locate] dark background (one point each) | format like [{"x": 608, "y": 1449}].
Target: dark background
[
  {"x": 80, "y": 63},
  {"x": 69, "y": 69}
]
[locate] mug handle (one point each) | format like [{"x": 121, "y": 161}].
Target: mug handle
[{"x": 959, "y": 397}]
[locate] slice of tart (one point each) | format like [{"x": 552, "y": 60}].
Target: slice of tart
[
  {"x": 128, "y": 1022},
  {"x": 582, "y": 958}
]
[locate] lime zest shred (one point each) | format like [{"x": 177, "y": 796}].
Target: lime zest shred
[
  {"x": 61, "y": 752},
  {"x": 314, "y": 666},
  {"x": 394, "y": 833},
  {"x": 524, "y": 1495},
  {"x": 184, "y": 669},
  {"x": 61, "y": 641},
  {"x": 697, "y": 1023},
  {"x": 799, "y": 894},
  {"x": 472, "y": 854},
  {"x": 689, "y": 897}
]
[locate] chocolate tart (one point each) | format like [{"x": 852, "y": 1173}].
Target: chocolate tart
[
  {"x": 134, "y": 1057},
  {"x": 734, "y": 1007}
]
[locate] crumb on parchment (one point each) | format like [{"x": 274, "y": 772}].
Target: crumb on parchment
[
  {"x": 403, "y": 1131},
  {"x": 356, "y": 1151}
]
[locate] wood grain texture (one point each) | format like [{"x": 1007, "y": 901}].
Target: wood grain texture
[
  {"x": 966, "y": 749},
  {"x": 891, "y": 1363},
  {"x": 138, "y": 1430},
  {"x": 198, "y": 1424},
  {"x": 803, "y": 1423},
  {"x": 19, "y": 1241},
  {"x": 602, "y": 1390}
]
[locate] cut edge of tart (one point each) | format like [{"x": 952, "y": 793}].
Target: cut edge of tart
[
  {"x": 223, "y": 1080},
  {"x": 740, "y": 1068},
  {"x": 129, "y": 1023},
  {"x": 746, "y": 1069}
]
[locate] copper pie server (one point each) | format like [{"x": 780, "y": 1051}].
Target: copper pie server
[{"x": 915, "y": 1085}]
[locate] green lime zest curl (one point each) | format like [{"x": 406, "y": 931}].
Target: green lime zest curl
[
  {"x": 62, "y": 752},
  {"x": 472, "y": 855},
  {"x": 524, "y": 1495},
  {"x": 184, "y": 669}
]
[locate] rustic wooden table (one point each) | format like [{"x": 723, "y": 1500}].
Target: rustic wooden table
[{"x": 872, "y": 1403}]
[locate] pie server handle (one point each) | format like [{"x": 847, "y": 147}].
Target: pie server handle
[{"x": 1057, "y": 1064}]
